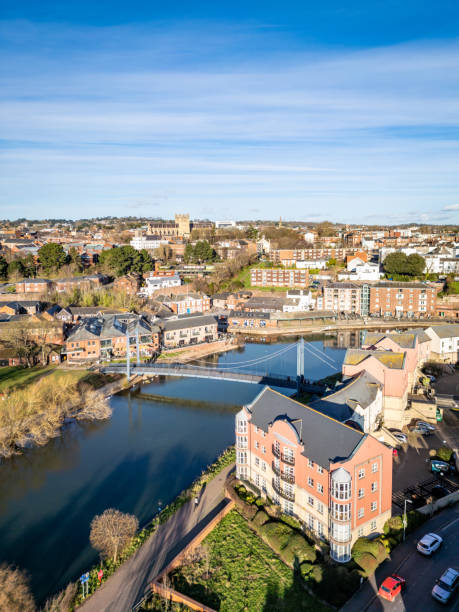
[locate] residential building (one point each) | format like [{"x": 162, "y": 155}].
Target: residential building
[
  {"x": 147, "y": 241},
  {"x": 129, "y": 284},
  {"x": 312, "y": 264},
  {"x": 105, "y": 337},
  {"x": 445, "y": 343},
  {"x": 342, "y": 297},
  {"x": 187, "y": 303},
  {"x": 288, "y": 257},
  {"x": 298, "y": 300},
  {"x": 403, "y": 299},
  {"x": 264, "y": 304},
  {"x": 241, "y": 319},
  {"x": 335, "y": 480},
  {"x": 157, "y": 283},
  {"x": 448, "y": 307},
  {"x": 184, "y": 330},
  {"x": 80, "y": 282},
  {"x": 361, "y": 271},
  {"x": 278, "y": 277},
  {"x": 34, "y": 285}
]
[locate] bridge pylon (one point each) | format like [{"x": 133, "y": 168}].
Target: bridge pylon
[{"x": 299, "y": 363}]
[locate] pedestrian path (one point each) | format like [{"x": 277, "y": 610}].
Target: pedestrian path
[{"x": 128, "y": 585}]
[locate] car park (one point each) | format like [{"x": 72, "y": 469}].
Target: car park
[
  {"x": 391, "y": 587},
  {"x": 446, "y": 585},
  {"x": 429, "y": 544}
]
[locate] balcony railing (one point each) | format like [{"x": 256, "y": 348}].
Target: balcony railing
[
  {"x": 285, "y": 476},
  {"x": 290, "y": 496},
  {"x": 276, "y": 452},
  {"x": 288, "y": 459}
]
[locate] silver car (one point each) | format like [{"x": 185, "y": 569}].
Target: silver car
[
  {"x": 446, "y": 585},
  {"x": 427, "y": 426},
  {"x": 429, "y": 543}
]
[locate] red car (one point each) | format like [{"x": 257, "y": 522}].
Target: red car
[{"x": 391, "y": 587}]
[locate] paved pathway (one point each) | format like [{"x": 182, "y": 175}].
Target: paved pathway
[
  {"x": 402, "y": 558},
  {"x": 128, "y": 584}
]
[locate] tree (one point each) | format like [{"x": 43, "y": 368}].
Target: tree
[
  {"x": 415, "y": 264},
  {"x": 189, "y": 253},
  {"x": 399, "y": 263},
  {"x": 112, "y": 531},
  {"x": 52, "y": 257},
  {"x": 15, "y": 595},
  {"x": 22, "y": 342},
  {"x": 251, "y": 233},
  {"x": 75, "y": 258},
  {"x": 3, "y": 268},
  {"x": 16, "y": 269},
  {"x": 164, "y": 253}
]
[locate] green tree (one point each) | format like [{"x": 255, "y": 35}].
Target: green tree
[
  {"x": 30, "y": 267},
  {"x": 415, "y": 264},
  {"x": 203, "y": 251},
  {"x": 125, "y": 260},
  {"x": 75, "y": 258},
  {"x": 399, "y": 263},
  {"x": 52, "y": 257},
  {"x": 189, "y": 253},
  {"x": 3, "y": 268},
  {"x": 252, "y": 233},
  {"x": 16, "y": 269},
  {"x": 143, "y": 263}
]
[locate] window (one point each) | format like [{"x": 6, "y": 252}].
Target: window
[
  {"x": 374, "y": 487},
  {"x": 263, "y": 466},
  {"x": 310, "y": 500},
  {"x": 320, "y": 487},
  {"x": 257, "y": 461},
  {"x": 360, "y": 532},
  {"x": 256, "y": 429},
  {"x": 257, "y": 480},
  {"x": 311, "y": 522},
  {"x": 257, "y": 445},
  {"x": 362, "y": 473},
  {"x": 374, "y": 467},
  {"x": 241, "y": 425},
  {"x": 288, "y": 507},
  {"x": 310, "y": 463},
  {"x": 241, "y": 441},
  {"x": 241, "y": 457},
  {"x": 320, "y": 508},
  {"x": 288, "y": 454},
  {"x": 320, "y": 469},
  {"x": 373, "y": 526},
  {"x": 341, "y": 490},
  {"x": 276, "y": 448},
  {"x": 361, "y": 512},
  {"x": 320, "y": 529},
  {"x": 361, "y": 493},
  {"x": 263, "y": 450},
  {"x": 341, "y": 512},
  {"x": 310, "y": 481},
  {"x": 374, "y": 505}
]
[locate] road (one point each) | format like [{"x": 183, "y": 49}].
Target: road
[
  {"x": 127, "y": 586},
  {"x": 420, "y": 572}
]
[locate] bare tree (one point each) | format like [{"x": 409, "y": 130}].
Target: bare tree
[
  {"x": 112, "y": 531},
  {"x": 63, "y": 600},
  {"x": 22, "y": 341},
  {"x": 15, "y": 595}
]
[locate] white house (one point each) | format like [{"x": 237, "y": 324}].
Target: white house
[
  {"x": 298, "y": 300},
  {"x": 155, "y": 283},
  {"x": 310, "y": 236},
  {"x": 312, "y": 264},
  {"x": 445, "y": 342},
  {"x": 146, "y": 241}
]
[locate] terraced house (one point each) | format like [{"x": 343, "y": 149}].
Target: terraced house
[
  {"x": 183, "y": 330},
  {"x": 107, "y": 336},
  {"x": 336, "y": 480}
]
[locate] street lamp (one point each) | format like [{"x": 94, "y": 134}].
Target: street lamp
[{"x": 404, "y": 517}]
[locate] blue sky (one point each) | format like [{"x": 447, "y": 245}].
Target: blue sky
[{"x": 342, "y": 111}]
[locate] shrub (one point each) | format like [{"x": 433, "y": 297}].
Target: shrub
[
  {"x": 316, "y": 573},
  {"x": 298, "y": 548},
  {"x": 444, "y": 453},
  {"x": 394, "y": 524},
  {"x": 367, "y": 562},
  {"x": 364, "y": 545},
  {"x": 260, "y": 519},
  {"x": 306, "y": 568},
  {"x": 276, "y": 535},
  {"x": 289, "y": 520}
]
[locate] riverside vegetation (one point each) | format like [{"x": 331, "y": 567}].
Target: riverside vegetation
[{"x": 36, "y": 413}]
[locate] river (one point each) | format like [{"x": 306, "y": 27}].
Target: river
[{"x": 138, "y": 460}]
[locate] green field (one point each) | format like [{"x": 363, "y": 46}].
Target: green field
[{"x": 239, "y": 572}]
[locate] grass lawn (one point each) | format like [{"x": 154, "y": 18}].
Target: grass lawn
[
  {"x": 14, "y": 378},
  {"x": 244, "y": 574}
]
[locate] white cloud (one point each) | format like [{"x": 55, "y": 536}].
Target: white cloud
[{"x": 451, "y": 207}]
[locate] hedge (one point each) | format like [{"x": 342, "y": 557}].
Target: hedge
[
  {"x": 260, "y": 519},
  {"x": 298, "y": 549},
  {"x": 276, "y": 534}
]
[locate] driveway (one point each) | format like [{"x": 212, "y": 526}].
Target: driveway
[{"x": 420, "y": 572}]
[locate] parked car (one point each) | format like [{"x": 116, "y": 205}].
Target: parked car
[
  {"x": 438, "y": 491},
  {"x": 446, "y": 585},
  {"x": 429, "y": 544},
  {"x": 391, "y": 587},
  {"x": 438, "y": 466},
  {"x": 426, "y": 425},
  {"x": 420, "y": 430},
  {"x": 401, "y": 437}
]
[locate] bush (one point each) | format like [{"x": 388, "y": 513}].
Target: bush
[
  {"x": 289, "y": 520},
  {"x": 364, "y": 545},
  {"x": 305, "y": 569},
  {"x": 260, "y": 519},
  {"x": 444, "y": 453},
  {"x": 298, "y": 548},
  {"x": 367, "y": 562},
  {"x": 276, "y": 535},
  {"x": 316, "y": 573},
  {"x": 394, "y": 524}
]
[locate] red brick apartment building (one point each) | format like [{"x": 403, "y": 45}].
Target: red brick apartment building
[
  {"x": 188, "y": 303},
  {"x": 290, "y": 256},
  {"x": 336, "y": 480},
  {"x": 410, "y": 299},
  {"x": 279, "y": 277}
]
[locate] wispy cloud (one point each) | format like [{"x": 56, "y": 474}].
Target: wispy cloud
[{"x": 98, "y": 117}]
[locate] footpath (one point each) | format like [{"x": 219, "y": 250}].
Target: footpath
[{"x": 128, "y": 585}]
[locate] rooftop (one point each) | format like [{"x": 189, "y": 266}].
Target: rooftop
[{"x": 390, "y": 359}]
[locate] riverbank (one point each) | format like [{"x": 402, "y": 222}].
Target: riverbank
[
  {"x": 37, "y": 405},
  {"x": 199, "y": 351},
  {"x": 279, "y": 332}
]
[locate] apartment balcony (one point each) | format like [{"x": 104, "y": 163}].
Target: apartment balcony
[
  {"x": 280, "y": 491},
  {"x": 288, "y": 459},
  {"x": 276, "y": 452},
  {"x": 283, "y": 475}
]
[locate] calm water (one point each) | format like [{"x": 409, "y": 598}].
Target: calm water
[{"x": 144, "y": 455}]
